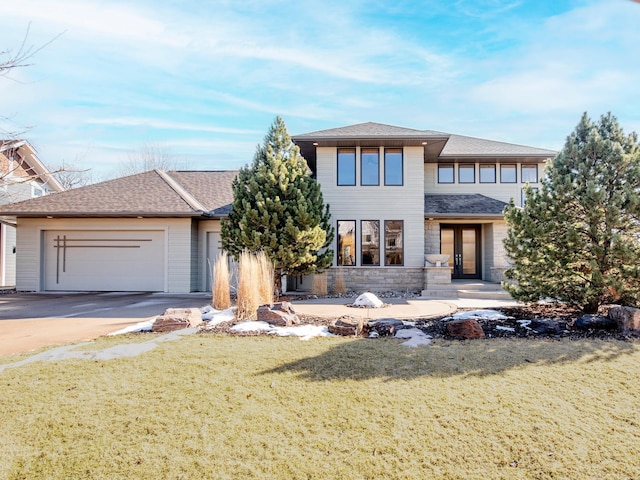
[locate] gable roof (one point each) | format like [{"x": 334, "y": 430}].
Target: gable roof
[
  {"x": 447, "y": 205},
  {"x": 30, "y": 162},
  {"x": 153, "y": 193}
]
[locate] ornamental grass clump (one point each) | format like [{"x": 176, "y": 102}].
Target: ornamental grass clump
[
  {"x": 265, "y": 278},
  {"x": 320, "y": 287},
  {"x": 248, "y": 286},
  {"x": 220, "y": 288},
  {"x": 338, "y": 282}
]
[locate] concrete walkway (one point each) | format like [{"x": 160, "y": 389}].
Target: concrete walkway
[{"x": 398, "y": 308}]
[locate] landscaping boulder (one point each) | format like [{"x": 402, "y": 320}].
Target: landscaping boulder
[
  {"x": 627, "y": 319},
  {"x": 465, "y": 329},
  {"x": 177, "y": 319},
  {"x": 385, "y": 326},
  {"x": 595, "y": 322},
  {"x": 280, "y": 314},
  {"x": 349, "y": 326},
  {"x": 544, "y": 326}
]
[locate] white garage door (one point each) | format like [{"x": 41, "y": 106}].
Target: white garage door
[{"x": 104, "y": 260}]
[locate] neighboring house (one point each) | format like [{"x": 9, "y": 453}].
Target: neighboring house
[
  {"x": 22, "y": 176},
  {"x": 395, "y": 195}
]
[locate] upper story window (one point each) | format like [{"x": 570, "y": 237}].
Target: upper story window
[
  {"x": 36, "y": 192},
  {"x": 369, "y": 166},
  {"x": 346, "y": 166},
  {"x": 529, "y": 173},
  {"x": 467, "y": 173},
  {"x": 487, "y": 174},
  {"x": 446, "y": 174},
  {"x": 393, "y": 168},
  {"x": 508, "y": 174}
]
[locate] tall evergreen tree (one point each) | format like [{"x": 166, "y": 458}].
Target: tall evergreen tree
[
  {"x": 278, "y": 209},
  {"x": 577, "y": 239}
]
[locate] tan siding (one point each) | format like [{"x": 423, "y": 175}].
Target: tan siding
[
  {"x": 177, "y": 245},
  {"x": 379, "y": 202},
  {"x": 8, "y": 262}
]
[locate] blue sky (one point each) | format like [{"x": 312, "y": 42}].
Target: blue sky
[{"x": 206, "y": 79}]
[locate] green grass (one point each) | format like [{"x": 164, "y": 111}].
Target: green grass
[{"x": 259, "y": 407}]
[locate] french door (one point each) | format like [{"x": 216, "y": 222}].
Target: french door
[{"x": 463, "y": 243}]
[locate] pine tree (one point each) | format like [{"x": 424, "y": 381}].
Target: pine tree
[
  {"x": 278, "y": 209},
  {"x": 577, "y": 239}
]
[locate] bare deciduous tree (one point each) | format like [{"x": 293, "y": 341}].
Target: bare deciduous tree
[{"x": 149, "y": 157}]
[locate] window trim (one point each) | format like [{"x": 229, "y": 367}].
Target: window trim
[
  {"x": 362, "y": 264},
  {"x": 453, "y": 171},
  {"x": 515, "y": 168},
  {"x": 466, "y": 167},
  {"x": 401, "y": 151},
  {"x": 338, "y": 183},
  {"x": 529, "y": 167},
  {"x": 485, "y": 165},
  {"x": 355, "y": 243},
  {"x": 370, "y": 151},
  {"x": 385, "y": 244}
]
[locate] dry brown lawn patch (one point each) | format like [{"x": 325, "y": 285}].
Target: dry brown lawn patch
[{"x": 210, "y": 406}]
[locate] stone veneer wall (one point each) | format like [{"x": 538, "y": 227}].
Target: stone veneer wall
[
  {"x": 431, "y": 236},
  {"x": 378, "y": 279}
]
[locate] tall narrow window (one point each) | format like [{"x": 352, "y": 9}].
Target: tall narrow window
[
  {"x": 370, "y": 244},
  {"x": 346, "y": 166},
  {"x": 445, "y": 174},
  {"x": 393, "y": 166},
  {"x": 393, "y": 242},
  {"x": 508, "y": 174},
  {"x": 466, "y": 174},
  {"x": 487, "y": 174},
  {"x": 524, "y": 195},
  {"x": 346, "y": 242},
  {"x": 369, "y": 166},
  {"x": 529, "y": 173}
]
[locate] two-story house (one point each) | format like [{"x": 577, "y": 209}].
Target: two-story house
[
  {"x": 395, "y": 194},
  {"x": 22, "y": 176}
]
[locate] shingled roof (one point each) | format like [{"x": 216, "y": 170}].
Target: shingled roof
[
  {"x": 462, "y": 146},
  {"x": 462, "y": 205},
  {"x": 154, "y": 193},
  {"x": 368, "y": 129}
]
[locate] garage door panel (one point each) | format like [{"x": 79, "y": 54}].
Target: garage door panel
[{"x": 94, "y": 260}]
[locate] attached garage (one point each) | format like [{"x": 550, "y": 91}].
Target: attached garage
[
  {"x": 149, "y": 232},
  {"x": 104, "y": 260}
]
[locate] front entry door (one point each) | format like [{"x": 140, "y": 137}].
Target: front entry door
[{"x": 462, "y": 242}]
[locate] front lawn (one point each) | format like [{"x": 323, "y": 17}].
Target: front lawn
[{"x": 209, "y": 406}]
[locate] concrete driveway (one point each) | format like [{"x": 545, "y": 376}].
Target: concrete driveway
[{"x": 34, "y": 320}]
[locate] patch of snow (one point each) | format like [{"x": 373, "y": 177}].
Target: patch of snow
[
  {"x": 207, "y": 309},
  {"x": 214, "y": 317},
  {"x": 415, "y": 336},
  {"x": 368, "y": 300},
  {"x": 251, "y": 326},
  {"x": 407, "y": 323},
  {"x": 506, "y": 329},
  {"x": 525, "y": 324},
  {"x": 483, "y": 314},
  {"x": 145, "y": 326},
  {"x": 306, "y": 332}
]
